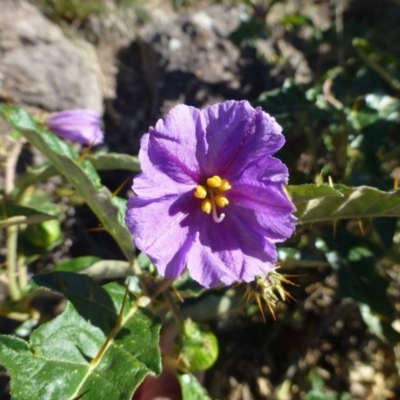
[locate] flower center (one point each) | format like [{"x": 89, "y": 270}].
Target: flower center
[{"x": 212, "y": 195}]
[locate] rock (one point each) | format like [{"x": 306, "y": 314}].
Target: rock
[
  {"x": 40, "y": 67},
  {"x": 184, "y": 58}
]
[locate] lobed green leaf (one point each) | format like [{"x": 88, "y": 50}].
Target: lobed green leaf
[
  {"x": 302, "y": 193},
  {"x": 111, "y": 161},
  {"x": 354, "y": 203},
  {"x": 100, "y": 347}
]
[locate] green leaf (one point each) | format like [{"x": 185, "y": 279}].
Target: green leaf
[
  {"x": 35, "y": 174},
  {"x": 76, "y": 264},
  {"x": 88, "y": 350},
  {"x": 360, "y": 280},
  {"x": 46, "y": 234},
  {"x": 191, "y": 388},
  {"x": 289, "y": 100},
  {"x": 309, "y": 191},
  {"x": 355, "y": 202},
  {"x": 82, "y": 175},
  {"x": 319, "y": 392},
  {"x": 109, "y": 269},
  {"x": 388, "y": 107},
  {"x": 13, "y": 214},
  {"x": 111, "y": 161},
  {"x": 199, "y": 347}
]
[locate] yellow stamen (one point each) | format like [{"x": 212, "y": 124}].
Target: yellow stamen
[
  {"x": 206, "y": 206},
  {"x": 225, "y": 185},
  {"x": 221, "y": 201},
  {"x": 212, "y": 196},
  {"x": 214, "y": 182},
  {"x": 200, "y": 192}
]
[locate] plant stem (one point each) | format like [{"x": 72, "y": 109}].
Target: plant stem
[
  {"x": 11, "y": 260},
  {"x": 13, "y": 269},
  {"x": 381, "y": 71},
  {"x": 174, "y": 309},
  {"x": 22, "y": 272}
]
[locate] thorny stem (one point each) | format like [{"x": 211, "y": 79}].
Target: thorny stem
[
  {"x": 10, "y": 167},
  {"x": 22, "y": 273},
  {"x": 13, "y": 267},
  {"x": 12, "y": 236}
]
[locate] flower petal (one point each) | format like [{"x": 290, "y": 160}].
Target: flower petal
[
  {"x": 237, "y": 134},
  {"x": 270, "y": 206},
  {"x": 263, "y": 171},
  {"x": 153, "y": 182},
  {"x": 174, "y": 145},
  {"x": 229, "y": 251},
  {"x": 153, "y": 222},
  {"x": 259, "y": 190}
]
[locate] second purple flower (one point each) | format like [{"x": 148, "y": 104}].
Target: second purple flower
[{"x": 83, "y": 126}]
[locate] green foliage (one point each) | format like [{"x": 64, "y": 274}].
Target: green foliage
[
  {"x": 191, "y": 388},
  {"x": 307, "y": 192},
  {"x": 112, "y": 161},
  {"x": 198, "y": 347},
  {"x": 319, "y": 392},
  {"x": 80, "y": 173},
  {"x": 346, "y": 122},
  {"x": 345, "y": 203},
  {"x": 14, "y": 214},
  {"x": 45, "y": 234},
  {"x": 101, "y": 346},
  {"x": 76, "y": 264}
]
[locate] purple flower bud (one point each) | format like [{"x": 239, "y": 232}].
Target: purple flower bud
[{"x": 83, "y": 126}]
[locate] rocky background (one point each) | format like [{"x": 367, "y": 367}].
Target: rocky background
[{"x": 135, "y": 60}]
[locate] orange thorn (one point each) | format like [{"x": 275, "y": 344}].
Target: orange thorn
[
  {"x": 178, "y": 295},
  {"x": 360, "y": 224},
  {"x": 42, "y": 121},
  {"x": 119, "y": 188},
  {"x": 272, "y": 311},
  {"x": 289, "y": 295},
  {"x": 98, "y": 229},
  {"x": 261, "y": 308},
  {"x": 84, "y": 153}
]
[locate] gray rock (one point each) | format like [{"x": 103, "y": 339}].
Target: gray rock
[
  {"x": 184, "y": 58},
  {"x": 40, "y": 66}
]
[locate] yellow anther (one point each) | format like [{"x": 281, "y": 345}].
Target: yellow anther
[
  {"x": 214, "y": 182},
  {"x": 221, "y": 201},
  {"x": 200, "y": 192},
  {"x": 225, "y": 185},
  {"x": 206, "y": 206}
]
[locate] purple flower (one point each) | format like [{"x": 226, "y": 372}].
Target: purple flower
[
  {"x": 83, "y": 126},
  {"x": 211, "y": 197}
]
